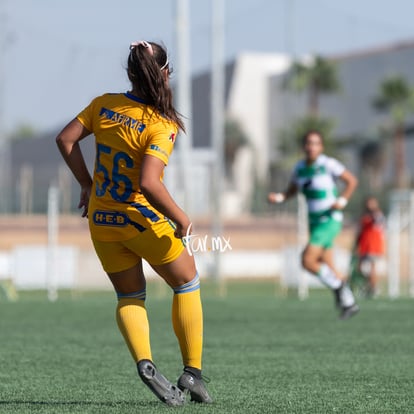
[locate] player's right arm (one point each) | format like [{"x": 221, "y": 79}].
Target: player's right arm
[
  {"x": 277, "y": 198},
  {"x": 68, "y": 144},
  {"x": 157, "y": 194}
]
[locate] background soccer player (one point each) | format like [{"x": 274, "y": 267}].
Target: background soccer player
[
  {"x": 370, "y": 242},
  {"x": 132, "y": 216},
  {"x": 315, "y": 177}
]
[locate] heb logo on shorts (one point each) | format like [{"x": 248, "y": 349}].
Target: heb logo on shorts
[{"x": 110, "y": 218}]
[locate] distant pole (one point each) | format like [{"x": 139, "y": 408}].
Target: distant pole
[
  {"x": 26, "y": 189},
  {"x": 394, "y": 228},
  {"x": 410, "y": 245},
  {"x": 65, "y": 188},
  {"x": 5, "y": 175},
  {"x": 217, "y": 119},
  {"x": 302, "y": 229},
  {"x": 52, "y": 245},
  {"x": 290, "y": 28},
  {"x": 183, "y": 95}
]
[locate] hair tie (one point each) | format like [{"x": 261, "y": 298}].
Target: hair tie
[
  {"x": 144, "y": 44},
  {"x": 165, "y": 65}
]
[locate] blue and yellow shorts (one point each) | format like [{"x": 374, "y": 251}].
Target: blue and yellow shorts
[{"x": 157, "y": 245}]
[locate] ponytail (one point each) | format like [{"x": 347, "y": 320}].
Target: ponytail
[{"x": 147, "y": 62}]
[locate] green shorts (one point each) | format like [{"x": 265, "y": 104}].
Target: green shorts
[{"x": 324, "y": 231}]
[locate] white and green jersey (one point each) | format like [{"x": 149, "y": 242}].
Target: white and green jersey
[{"x": 317, "y": 183}]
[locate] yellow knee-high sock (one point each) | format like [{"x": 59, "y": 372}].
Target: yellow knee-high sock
[
  {"x": 187, "y": 318},
  {"x": 132, "y": 320}
]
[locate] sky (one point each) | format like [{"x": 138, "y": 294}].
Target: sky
[{"x": 56, "y": 55}]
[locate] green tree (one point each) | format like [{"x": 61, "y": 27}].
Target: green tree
[
  {"x": 396, "y": 97},
  {"x": 23, "y": 131},
  {"x": 320, "y": 76}
]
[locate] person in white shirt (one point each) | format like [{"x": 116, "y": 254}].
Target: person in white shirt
[{"x": 315, "y": 176}]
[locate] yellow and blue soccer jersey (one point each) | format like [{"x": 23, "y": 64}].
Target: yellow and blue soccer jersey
[{"x": 125, "y": 130}]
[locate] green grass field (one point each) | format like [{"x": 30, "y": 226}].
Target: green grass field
[{"x": 263, "y": 352}]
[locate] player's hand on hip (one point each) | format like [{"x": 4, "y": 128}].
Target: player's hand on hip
[
  {"x": 183, "y": 229},
  {"x": 84, "y": 200}
]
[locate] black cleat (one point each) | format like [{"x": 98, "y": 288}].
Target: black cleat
[
  {"x": 337, "y": 297},
  {"x": 167, "y": 392},
  {"x": 349, "y": 311},
  {"x": 195, "y": 386}
]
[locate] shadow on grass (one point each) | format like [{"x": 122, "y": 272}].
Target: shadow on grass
[{"x": 127, "y": 404}]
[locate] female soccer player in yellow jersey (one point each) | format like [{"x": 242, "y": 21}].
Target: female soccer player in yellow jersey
[{"x": 132, "y": 216}]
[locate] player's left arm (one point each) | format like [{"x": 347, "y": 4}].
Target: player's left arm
[{"x": 351, "y": 183}]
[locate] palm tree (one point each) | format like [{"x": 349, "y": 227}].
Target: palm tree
[
  {"x": 318, "y": 77},
  {"x": 396, "y": 96}
]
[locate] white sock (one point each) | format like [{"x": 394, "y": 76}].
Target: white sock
[
  {"x": 328, "y": 278},
  {"x": 346, "y": 296}
]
